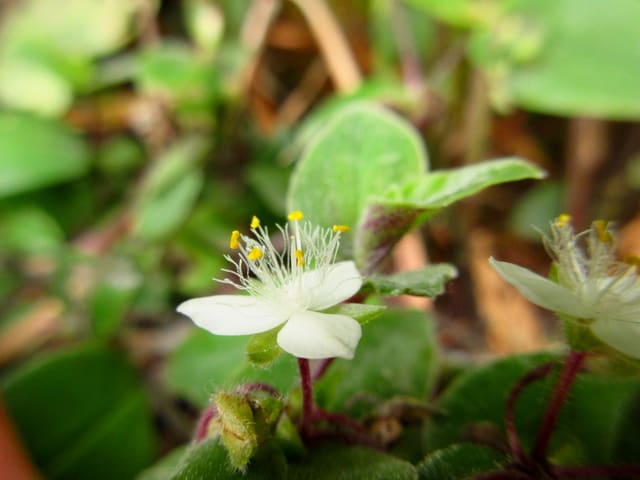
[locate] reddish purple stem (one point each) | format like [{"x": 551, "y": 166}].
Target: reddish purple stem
[
  {"x": 202, "y": 426},
  {"x": 512, "y": 433},
  {"x": 307, "y": 395},
  {"x": 570, "y": 369}
]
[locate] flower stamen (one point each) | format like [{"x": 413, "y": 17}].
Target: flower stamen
[{"x": 234, "y": 241}]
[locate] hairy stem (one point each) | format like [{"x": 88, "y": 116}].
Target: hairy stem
[
  {"x": 572, "y": 365},
  {"x": 510, "y": 425}
]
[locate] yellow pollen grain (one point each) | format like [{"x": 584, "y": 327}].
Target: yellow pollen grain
[
  {"x": 562, "y": 220},
  {"x": 295, "y": 215},
  {"x": 255, "y": 254},
  {"x": 255, "y": 222},
  {"x": 601, "y": 229},
  {"x": 234, "y": 241},
  {"x": 340, "y": 228},
  {"x": 299, "y": 254}
]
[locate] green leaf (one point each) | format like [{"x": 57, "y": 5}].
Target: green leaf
[
  {"x": 29, "y": 85},
  {"x": 536, "y": 208},
  {"x": 425, "y": 282},
  {"x": 35, "y": 152},
  {"x": 82, "y": 414},
  {"x": 209, "y": 459},
  {"x": 405, "y": 206},
  {"x": 566, "y": 57},
  {"x": 362, "y": 150},
  {"x": 460, "y": 461},
  {"x": 30, "y": 230},
  {"x": 170, "y": 190},
  {"x": 588, "y": 425},
  {"x": 358, "y": 311},
  {"x": 344, "y": 462},
  {"x": 396, "y": 356},
  {"x": 86, "y": 29},
  {"x": 204, "y": 363}
]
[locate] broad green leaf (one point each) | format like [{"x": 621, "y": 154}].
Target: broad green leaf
[
  {"x": 461, "y": 461},
  {"x": 588, "y": 425},
  {"x": 35, "y": 152},
  {"x": 566, "y": 57},
  {"x": 426, "y": 282},
  {"x": 362, "y": 150},
  {"x": 361, "y": 312},
  {"x": 209, "y": 459},
  {"x": 82, "y": 414},
  {"x": 404, "y": 206},
  {"x": 205, "y": 363},
  {"x": 396, "y": 356},
  {"x": 344, "y": 462}
]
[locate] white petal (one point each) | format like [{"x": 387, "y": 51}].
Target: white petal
[
  {"x": 232, "y": 314},
  {"x": 320, "y": 335},
  {"x": 326, "y": 287},
  {"x": 623, "y": 336},
  {"x": 542, "y": 291}
]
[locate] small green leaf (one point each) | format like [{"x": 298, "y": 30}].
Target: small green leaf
[
  {"x": 405, "y": 206},
  {"x": 461, "y": 461},
  {"x": 362, "y": 150},
  {"x": 358, "y": 311},
  {"x": 425, "y": 282},
  {"x": 345, "y": 462},
  {"x": 82, "y": 414},
  {"x": 263, "y": 348},
  {"x": 30, "y": 230},
  {"x": 35, "y": 152},
  {"x": 396, "y": 356}
]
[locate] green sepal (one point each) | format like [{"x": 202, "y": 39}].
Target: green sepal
[
  {"x": 424, "y": 282},
  {"x": 263, "y": 348}
]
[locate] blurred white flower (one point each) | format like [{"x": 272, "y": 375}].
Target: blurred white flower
[
  {"x": 291, "y": 287},
  {"x": 592, "y": 289}
]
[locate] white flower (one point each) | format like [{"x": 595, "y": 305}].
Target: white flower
[
  {"x": 291, "y": 287},
  {"x": 592, "y": 288}
]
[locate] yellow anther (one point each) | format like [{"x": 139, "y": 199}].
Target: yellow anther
[
  {"x": 255, "y": 254},
  {"x": 299, "y": 254},
  {"x": 632, "y": 260},
  {"x": 601, "y": 228},
  {"x": 234, "y": 241},
  {"x": 562, "y": 220},
  {"x": 340, "y": 228},
  {"x": 295, "y": 215},
  {"x": 255, "y": 222}
]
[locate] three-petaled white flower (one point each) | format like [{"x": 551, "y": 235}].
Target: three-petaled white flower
[
  {"x": 290, "y": 287},
  {"x": 592, "y": 289}
]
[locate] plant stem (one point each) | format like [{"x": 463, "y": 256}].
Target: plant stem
[
  {"x": 307, "y": 395},
  {"x": 202, "y": 428},
  {"x": 510, "y": 424},
  {"x": 572, "y": 365},
  {"x": 322, "y": 368}
]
